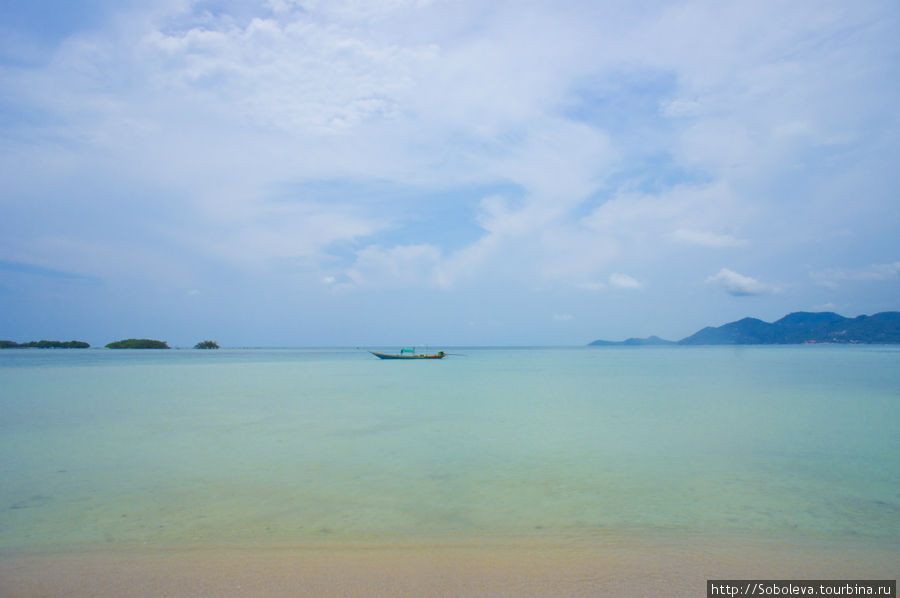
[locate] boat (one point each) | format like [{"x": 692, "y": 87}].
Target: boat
[{"x": 408, "y": 354}]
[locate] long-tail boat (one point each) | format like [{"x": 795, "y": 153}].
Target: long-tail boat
[{"x": 408, "y": 354}]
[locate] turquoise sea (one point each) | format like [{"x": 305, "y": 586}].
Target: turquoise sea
[{"x": 103, "y": 448}]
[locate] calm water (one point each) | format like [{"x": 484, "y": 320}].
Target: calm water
[{"x": 103, "y": 447}]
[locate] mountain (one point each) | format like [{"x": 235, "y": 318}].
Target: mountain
[
  {"x": 795, "y": 328},
  {"x": 748, "y": 331},
  {"x": 803, "y": 327}
]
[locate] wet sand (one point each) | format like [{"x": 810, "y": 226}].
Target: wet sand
[{"x": 468, "y": 567}]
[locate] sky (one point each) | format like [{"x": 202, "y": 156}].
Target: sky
[{"x": 443, "y": 172}]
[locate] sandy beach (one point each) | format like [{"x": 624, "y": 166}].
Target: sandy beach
[{"x": 483, "y": 567}]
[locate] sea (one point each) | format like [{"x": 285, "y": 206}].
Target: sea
[{"x": 275, "y": 447}]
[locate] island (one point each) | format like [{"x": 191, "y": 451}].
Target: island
[
  {"x": 44, "y": 345},
  {"x": 795, "y": 328},
  {"x": 207, "y": 345},
  {"x": 138, "y": 343}
]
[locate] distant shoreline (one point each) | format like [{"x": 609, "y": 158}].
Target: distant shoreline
[
  {"x": 598, "y": 345},
  {"x": 44, "y": 344},
  {"x": 796, "y": 328}
]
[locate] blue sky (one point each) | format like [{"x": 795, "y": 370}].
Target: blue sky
[{"x": 296, "y": 173}]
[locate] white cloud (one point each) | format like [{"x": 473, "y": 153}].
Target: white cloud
[
  {"x": 467, "y": 263},
  {"x": 407, "y": 265},
  {"x": 685, "y": 207},
  {"x": 254, "y": 232},
  {"x": 738, "y": 284},
  {"x": 296, "y": 72},
  {"x": 562, "y": 317},
  {"x": 880, "y": 272},
  {"x": 624, "y": 281},
  {"x": 834, "y": 277}
]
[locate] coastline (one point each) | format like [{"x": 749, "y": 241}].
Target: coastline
[{"x": 439, "y": 566}]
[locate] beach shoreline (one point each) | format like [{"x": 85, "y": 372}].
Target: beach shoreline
[{"x": 498, "y": 567}]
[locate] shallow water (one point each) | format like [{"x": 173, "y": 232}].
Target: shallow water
[{"x": 275, "y": 447}]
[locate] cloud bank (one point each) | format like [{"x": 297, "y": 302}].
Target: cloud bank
[{"x": 341, "y": 154}]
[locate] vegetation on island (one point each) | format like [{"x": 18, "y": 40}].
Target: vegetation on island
[
  {"x": 138, "y": 343},
  {"x": 803, "y": 327},
  {"x": 44, "y": 345},
  {"x": 795, "y": 328},
  {"x": 207, "y": 345}
]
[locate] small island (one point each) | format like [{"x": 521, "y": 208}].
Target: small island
[
  {"x": 44, "y": 345},
  {"x": 138, "y": 343},
  {"x": 207, "y": 345}
]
